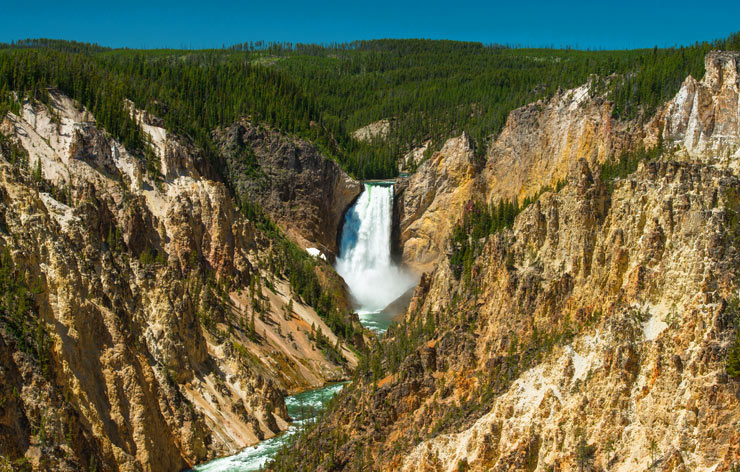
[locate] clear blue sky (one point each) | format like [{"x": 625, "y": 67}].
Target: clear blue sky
[{"x": 200, "y": 24}]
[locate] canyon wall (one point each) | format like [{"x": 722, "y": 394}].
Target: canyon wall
[
  {"x": 426, "y": 202},
  {"x": 147, "y": 325},
  {"x": 538, "y": 144},
  {"x": 301, "y": 190}
]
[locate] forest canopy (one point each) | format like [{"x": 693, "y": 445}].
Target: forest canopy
[{"x": 429, "y": 90}]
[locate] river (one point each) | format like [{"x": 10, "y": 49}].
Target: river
[
  {"x": 302, "y": 407},
  {"x": 374, "y": 282}
]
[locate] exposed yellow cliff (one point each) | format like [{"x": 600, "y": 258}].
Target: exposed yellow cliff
[
  {"x": 172, "y": 335},
  {"x": 538, "y": 144}
]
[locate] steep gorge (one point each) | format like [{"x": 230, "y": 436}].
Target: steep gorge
[{"x": 592, "y": 335}]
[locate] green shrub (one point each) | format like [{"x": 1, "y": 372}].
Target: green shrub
[
  {"x": 627, "y": 163},
  {"x": 19, "y": 313}
]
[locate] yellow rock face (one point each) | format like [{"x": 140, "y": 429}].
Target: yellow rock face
[
  {"x": 640, "y": 277},
  {"x": 430, "y": 202},
  {"x": 148, "y": 290},
  {"x": 541, "y": 141},
  {"x": 538, "y": 145}
]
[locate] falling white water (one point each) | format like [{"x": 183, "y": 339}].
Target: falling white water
[{"x": 365, "y": 252}]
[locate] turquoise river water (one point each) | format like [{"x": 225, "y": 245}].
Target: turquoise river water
[
  {"x": 302, "y": 407},
  {"x": 374, "y": 281}
]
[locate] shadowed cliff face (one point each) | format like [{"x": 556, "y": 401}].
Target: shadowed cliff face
[
  {"x": 304, "y": 192},
  {"x": 593, "y": 335},
  {"x": 155, "y": 334}
]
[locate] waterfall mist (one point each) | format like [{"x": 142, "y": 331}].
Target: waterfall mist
[{"x": 365, "y": 251}]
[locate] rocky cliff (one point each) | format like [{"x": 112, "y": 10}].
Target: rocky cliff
[
  {"x": 425, "y": 203},
  {"x": 592, "y": 335},
  {"x": 593, "y": 323},
  {"x": 535, "y": 149},
  {"x": 542, "y": 140},
  {"x": 703, "y": 120},
  {"x": 376, "y": 130},
  {"x": 146, "y": 323},
  {"x": 305, "y": 193}
]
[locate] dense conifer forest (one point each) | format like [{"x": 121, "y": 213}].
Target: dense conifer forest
[{"x": 429, "y": 90}]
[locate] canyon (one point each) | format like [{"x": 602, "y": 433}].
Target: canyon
[
  {"x": 591, "y": 335},
  {"x": 163, "y": 304}
]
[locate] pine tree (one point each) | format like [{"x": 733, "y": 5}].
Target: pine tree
[
  {"x": 37, "y": 173},
  {"x": 252, "y": 330},
  {"x": 733, "y": 354},
  {"x": 110, "y": 240}
]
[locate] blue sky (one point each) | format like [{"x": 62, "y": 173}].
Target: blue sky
[{"x": 199, "y": 24}]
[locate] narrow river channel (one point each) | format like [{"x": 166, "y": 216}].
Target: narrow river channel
[
  {"x": 374, "y": 281},
  {"x": 302, "y": 407}
]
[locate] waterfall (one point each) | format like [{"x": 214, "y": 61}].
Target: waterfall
[{"x": 364, "y": 260}]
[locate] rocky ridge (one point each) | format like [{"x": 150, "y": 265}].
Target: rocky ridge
[
  {"x": 535, "y": 149},
  {"x": 165, "y": 336}
]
